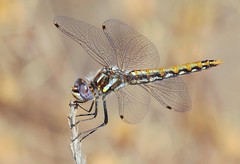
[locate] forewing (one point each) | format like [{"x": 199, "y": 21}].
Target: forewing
[
  {"x": 92, "y": 39},
  {"x": 132, "y": 50},
  {"x": 171, "y": 93},
  {"x": 133, "y": 103}
]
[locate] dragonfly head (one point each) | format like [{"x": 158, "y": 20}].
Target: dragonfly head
[{"x": 81, "y": 91}]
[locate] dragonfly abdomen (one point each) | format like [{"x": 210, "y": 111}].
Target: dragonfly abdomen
[{"x": 150, "y": 75}]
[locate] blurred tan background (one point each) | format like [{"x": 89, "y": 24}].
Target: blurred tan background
[{"x": 38, "y": 65}]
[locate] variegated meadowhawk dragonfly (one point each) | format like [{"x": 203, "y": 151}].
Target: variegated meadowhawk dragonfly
[{"x": 129, "y": 68}]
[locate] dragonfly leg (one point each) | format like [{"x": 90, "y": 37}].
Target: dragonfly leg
[
  {"x": 94, "y": 114},
  {"x": 88, "y": 132},
  {"x": 88, "y": 111},
  {"x": 77, "y": 104}
]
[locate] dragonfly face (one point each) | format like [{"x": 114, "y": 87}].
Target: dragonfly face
[{"x": 81, "y": 91}]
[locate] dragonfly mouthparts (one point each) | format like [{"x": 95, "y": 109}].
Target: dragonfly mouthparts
[{"x": 74, "y": 89}]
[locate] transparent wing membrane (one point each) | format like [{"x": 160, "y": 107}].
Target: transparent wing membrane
[
  {"x": 115, "y": 44},
  {"x": 92, "y": 39},
  {"x": 132, "y": 50},
  {"x": 171, "y": 93},
  {"x": 133, "y": 103}
]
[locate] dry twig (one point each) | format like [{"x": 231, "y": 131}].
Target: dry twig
[{"x": 76, "y": 144}]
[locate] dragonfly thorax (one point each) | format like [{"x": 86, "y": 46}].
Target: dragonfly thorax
[{"x": 109, "y": 79}]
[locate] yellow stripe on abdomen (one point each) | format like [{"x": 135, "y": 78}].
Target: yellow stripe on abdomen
[{"x": 150, "y": 75}]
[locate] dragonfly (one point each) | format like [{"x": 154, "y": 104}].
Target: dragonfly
[{"x": 129, "y": 68}]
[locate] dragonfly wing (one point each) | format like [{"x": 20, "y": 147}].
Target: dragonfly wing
[
  {"x": 171, "y": 93},
  {"x": 133, "y": 103},
  {"x": 92, "y": 39},
  {"x": 132, "y": 50}
]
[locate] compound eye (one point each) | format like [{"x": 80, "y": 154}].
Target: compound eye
[{"x": 83, "y": 88}]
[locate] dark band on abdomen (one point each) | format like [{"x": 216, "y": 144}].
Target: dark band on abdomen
[{"x": 150, "y": 75}]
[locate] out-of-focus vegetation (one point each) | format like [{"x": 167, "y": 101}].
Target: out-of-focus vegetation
[{"x": 39, "y": 64}]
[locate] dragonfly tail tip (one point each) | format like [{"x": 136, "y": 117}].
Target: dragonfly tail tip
[{"x": 217, "y": 62}]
